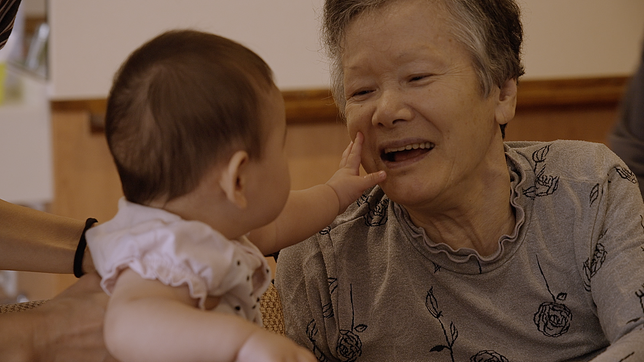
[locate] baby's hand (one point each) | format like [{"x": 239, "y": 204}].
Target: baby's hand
[
  {"x": 347, "y": 182},
  {"x": 264, "y": 346}
]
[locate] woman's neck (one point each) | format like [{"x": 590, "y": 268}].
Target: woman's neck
[{"x": 477, "y": 222}]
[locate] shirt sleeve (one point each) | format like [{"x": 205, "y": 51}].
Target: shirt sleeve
[
  {"x": 615, "y": 267},
  {"x": 8, "y": 11}
]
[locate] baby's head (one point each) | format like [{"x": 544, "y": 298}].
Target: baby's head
[{"x": 181, "y": 104}]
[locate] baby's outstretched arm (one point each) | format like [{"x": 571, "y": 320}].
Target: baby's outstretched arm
[
  {"x": 347, "y": 182},
  {"x": 309, "y": 211},
  {"x": 149, "y": 321}
]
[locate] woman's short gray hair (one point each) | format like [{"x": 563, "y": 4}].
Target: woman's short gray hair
[{"x": 490, "y": 30}]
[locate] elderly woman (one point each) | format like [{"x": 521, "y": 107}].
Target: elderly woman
[{"x": 472, "y": 249}]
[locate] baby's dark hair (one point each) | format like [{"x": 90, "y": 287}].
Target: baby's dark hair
[{"x": 180, "y": 104}]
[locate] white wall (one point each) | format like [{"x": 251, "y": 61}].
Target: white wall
[
  {"x": 36, "y": 8},
  {"x": 582, "y": 38},
  {"x": 90, "y": 38}
]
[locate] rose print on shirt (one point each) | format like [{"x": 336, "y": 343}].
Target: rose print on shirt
[
  {"x": 312, "y": 328},
  {"x": 640, "y": 294},
  {"x": 642, "y": 225},
  {"x": 591, "y": 266},
  {"x": 432, "y": 307},
  {"x": 363, "y": 199},
  {"x": 553, "y": 318},
  {"x": 377, "y": 214},
  {"x": 450, "y": 338},
  {"x": 544, "y": 185},
  {"x": 349, "y": 344},
  {"x": 594, "y": 194},
  {"x": 488, "y": 356},
  {"x": 312, "y": 332},
  {"x": 626, "y": 174},
  {"x": 327, "y": 309}
]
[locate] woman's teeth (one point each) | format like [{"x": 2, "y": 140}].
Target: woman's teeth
[
  {"x": 413, "y": 146},
  {"x": 407, "y": 152}
]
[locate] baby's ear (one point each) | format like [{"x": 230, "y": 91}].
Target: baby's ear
[{"x": 233, "y": 179}]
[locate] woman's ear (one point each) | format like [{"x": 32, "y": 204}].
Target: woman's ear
[
  {"x": 233, "y": 179},
  {"x": 507, "y": 102}
]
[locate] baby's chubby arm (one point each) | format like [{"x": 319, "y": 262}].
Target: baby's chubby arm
[
  {"x": 347, "y": 183},
  {"x": 149, "y": 321},
  {"x": 309, "y": 211}
]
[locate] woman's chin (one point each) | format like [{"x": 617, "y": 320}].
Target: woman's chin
[{"x": 405, "y": 193}]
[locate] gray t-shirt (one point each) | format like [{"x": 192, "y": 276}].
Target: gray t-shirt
[{"x": 567, "y": 285}]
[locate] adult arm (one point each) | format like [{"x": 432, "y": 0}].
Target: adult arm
[
  {"x": 147, "y": 320},
  {"x": 37, "y": 241},
  {"x": 67, "y": 328}
]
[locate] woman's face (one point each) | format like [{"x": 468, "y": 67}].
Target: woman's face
[{"x": 412, "y": 91}]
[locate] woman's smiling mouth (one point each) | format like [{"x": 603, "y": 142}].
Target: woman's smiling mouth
[{"x": 403, "y": 153}]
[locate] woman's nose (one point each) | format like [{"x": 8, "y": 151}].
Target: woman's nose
[{"x": 391, "y": 109}]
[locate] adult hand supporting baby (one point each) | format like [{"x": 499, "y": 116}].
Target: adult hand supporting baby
[{"x": 67, "y": 328}]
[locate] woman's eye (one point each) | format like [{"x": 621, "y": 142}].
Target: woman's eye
[
  {"x": 417, "y": 78},
  {"x": 360, "y": 93}
]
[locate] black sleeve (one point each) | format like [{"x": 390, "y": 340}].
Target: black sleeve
[{"x": 8, "y": 11}]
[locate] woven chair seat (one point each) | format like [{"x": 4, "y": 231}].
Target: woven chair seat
[
  {"x": 20, "y": 307},
  {"x": 270, "y": 306}
]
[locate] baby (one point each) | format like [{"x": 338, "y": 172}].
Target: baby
[{"x": 196, "y": 128}]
